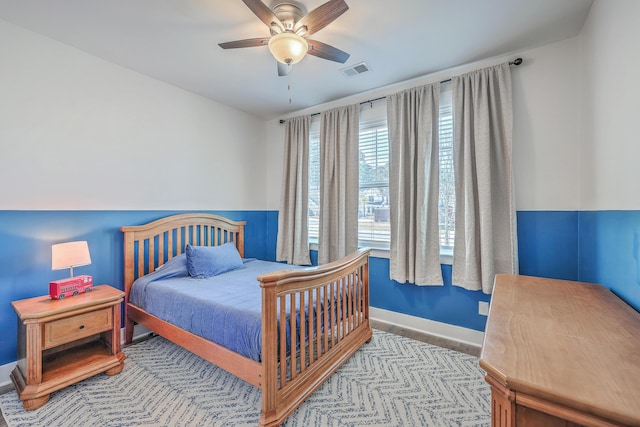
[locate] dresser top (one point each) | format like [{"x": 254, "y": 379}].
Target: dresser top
[{"x": 571, "y": 343}]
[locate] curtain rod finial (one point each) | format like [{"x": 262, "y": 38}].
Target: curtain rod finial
[{"x": 516, "y": 61}]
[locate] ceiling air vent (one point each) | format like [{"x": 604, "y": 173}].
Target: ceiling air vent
[{"x": 355, "y": 69}]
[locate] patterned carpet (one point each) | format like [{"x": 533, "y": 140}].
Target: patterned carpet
[{"x": 393, "y": 381}]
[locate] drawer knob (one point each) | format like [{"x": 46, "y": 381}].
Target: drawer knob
[{"x": 81, "y": 326}]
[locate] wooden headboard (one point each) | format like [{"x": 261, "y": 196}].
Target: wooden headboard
[{"x": 148, "y": 246}]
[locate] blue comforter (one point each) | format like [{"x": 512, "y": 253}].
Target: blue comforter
[{"x": 225, "y": 309}]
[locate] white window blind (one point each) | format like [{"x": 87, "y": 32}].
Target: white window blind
[
  {"x": 314, "y": 183},
  {"x": 447, "y": 199}
]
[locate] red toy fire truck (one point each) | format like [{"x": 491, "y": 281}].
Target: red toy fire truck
[{"x": 58, "y": 289}]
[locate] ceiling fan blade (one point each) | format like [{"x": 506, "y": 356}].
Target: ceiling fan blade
[
  {"x": 260, "y": 41},
  {"x": 263, "y": 12},
  {"x": 283, "y": 69},
  {"x": 321, "y": 16},
  {"x": 325, "y": 51}
]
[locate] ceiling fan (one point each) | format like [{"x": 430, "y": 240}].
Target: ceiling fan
[{"x": 290, "y": 26}]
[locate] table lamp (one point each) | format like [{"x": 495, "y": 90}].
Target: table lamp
[{"x": 69, "y": 255}]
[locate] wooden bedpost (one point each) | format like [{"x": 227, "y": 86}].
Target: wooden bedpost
[
  {"x": 240, "y": 242},
  {"x": 365, "y": 288},
  {"x": 269, "y": 415},
  {"x": 128, "y": 281}
]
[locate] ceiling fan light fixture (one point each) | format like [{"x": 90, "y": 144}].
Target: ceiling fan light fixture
[{"x": 288, "y": 47}]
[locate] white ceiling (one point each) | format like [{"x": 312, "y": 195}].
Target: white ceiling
[{"x": 176, "y": 41}]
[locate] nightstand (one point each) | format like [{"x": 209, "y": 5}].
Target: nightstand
[{"x": 61, "y": 342}]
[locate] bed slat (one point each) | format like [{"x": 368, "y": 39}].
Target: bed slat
[
  {"x": 283, "y": 339},
  {"x": 304, "y": 337}
]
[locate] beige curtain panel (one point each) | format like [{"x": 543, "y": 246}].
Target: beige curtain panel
[
  {"x": 339, "y": 175},
  {"x": 485, "y": 241},
  {"x": 293, "y": 228},
  {"x": 412, "y": 117}
]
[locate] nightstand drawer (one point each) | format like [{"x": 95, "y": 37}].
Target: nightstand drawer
[{"x": 73, "y": 328}]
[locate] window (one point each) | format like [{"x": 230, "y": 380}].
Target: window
[{"x": 374, "y": 227}]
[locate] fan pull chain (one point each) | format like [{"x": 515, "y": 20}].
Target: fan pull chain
[{"x": 289, "y": 81}]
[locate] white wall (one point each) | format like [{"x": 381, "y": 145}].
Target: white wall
[
  {"x": 275, "y": 150},
  {"x": 546, "y": 125},
  {"x": 611, "y": 106},
  {"x": 77, "y": 132}
]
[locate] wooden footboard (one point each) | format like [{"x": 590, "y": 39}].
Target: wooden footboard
[
  {"x": 300, "y": 351},
  {"x": 333, "y": 323}
]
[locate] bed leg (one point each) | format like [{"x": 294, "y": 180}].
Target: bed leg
[{"x": 128, "y": 331}]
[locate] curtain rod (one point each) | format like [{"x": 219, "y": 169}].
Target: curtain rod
[{"x": 516, "y": 61}]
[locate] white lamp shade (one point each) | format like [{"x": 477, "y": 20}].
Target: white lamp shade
[
  {"x": 69, "y": 255},
  {"x": 288, "y": 48}
]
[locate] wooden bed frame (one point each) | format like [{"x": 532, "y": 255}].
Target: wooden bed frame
[{"x": 285, "y": 381}]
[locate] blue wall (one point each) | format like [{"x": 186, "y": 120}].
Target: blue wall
[
  {"x": 610, "y": 252},
  {"x": 548, "y": 244},
  {"x": 600, "y": 247},
  {"x": 447, "y": 304},
  {"x": 588, "y": 246}
]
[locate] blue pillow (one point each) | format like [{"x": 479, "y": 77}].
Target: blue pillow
[{"x": 207, "y": 261}]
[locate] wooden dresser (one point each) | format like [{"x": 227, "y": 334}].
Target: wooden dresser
[{"x": 560, "y": 353}]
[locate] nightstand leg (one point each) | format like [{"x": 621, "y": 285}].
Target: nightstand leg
[
  {"x": 33, "y": 352},
  {"x": 31, "y": 404},
  {"x": 115, "y": 370}
]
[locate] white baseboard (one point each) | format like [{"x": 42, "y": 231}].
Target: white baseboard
[
  {"x": 431, "y": 327},
  {"x": 139, "y": 331},
  {"x": 5, "y": 370}
]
